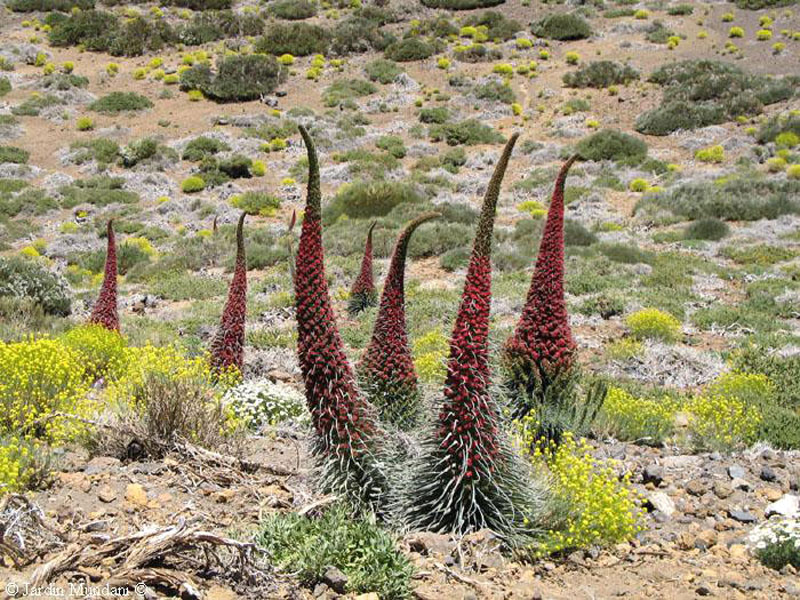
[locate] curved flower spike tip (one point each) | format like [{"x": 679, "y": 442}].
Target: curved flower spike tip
[
  {"x": 105, "y": 308},
  {"x": 227, "y": 347},
  {"x": 363, "y": 293},
  {"x": 467, "y": 477},
  {"x": 542, "y": 348},
  {"x": 387, "y": 369},
  {"x": 345, "y": 424}
]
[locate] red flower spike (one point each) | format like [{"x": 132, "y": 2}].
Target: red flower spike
[
  {"x": 387, "y": 368},
  {"x": 542, "y": 344},
  {"x": 467, "y": 480},
  {"x": 227, "y": 347},
  {"x": 345, "y": 427},
  {"x": 363, "y": 293},
  {"x": 105, "y": 309}
]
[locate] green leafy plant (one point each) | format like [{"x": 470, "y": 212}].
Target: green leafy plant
[{"x": 362, "y": 550}]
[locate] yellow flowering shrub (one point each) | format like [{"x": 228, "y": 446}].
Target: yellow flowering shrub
[
  {"x": 654, "y": 324},
  {"x": 430, "y": 353},
  {"x": 102, "y": 351},
  {"x": 599, "y": 507},
  {"x": 40, "y": 377},
  {"x": 22, "y": 463},
  {"x": 724, "y": 416},
  {"x": 627, "y": 417}
]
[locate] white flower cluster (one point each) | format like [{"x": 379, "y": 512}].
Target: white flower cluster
[
  {"x": 261, "y": 402},
  {"x": 776, "y": 542}
]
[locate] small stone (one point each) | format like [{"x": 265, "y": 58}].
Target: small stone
[
  {"x": 767, "y": 474},
  {"x": 772, "y": 494},
  {"x": 224, "y": 496},
  {"x": 738, "y": 551},
  {"x": 705, "y": 539},
  {"x": 335, "y": 579},
  {"x": 661, "y": 502},
  {"x": 653, "y": 474},
  {"x": 736, "y": 472},
  {"x": 722, "y": 489},
  {"x": 368, "y": 596},
  {"x": 106, "y": 494},
  {"x": 704, "y": 590},
  {"x": 135, "y": 494},
  {"x": 426, "y": 543},
  {"x": 696, "y": 487},
  {"x": 740, "y": 484},
  {"x": 787, "y": 506},
  {"x": 742, "y": 516}
]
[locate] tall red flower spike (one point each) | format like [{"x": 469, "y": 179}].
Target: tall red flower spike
[
  {"x": 387, "y": 369},
  {"x": 363, "y": 293},
  {"x": 542, "y": 347},
  {"x": 105, "y": 309},
  {"x": 467, "y": 478},
  {"x": 345, "y": 424},
  {"x": 227, "y": 347}
]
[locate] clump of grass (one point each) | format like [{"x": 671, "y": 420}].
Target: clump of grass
[{"x": 117, "y": 102}]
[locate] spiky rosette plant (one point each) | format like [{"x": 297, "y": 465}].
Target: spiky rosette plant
[
  {"x": 539, "y": 358},
  {"x": 387, "y": 369},
  {"x": 227, "y": 347},
  {"x": 105, "y": 308},
  {"x": 363, "y": 293},
  {"x": 467, "y": 478},
  {"x": 345, "y": 424}
]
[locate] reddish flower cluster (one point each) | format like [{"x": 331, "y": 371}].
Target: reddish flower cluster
[
  {"x": 387, "y": 369},
  {"x": 344, "y": 423},
  {"x": 363, "y": 293},
  {"x": 105, "y": 309},
  {"x": 458, "y": 485},
  {"x": 227, "y": 347},
  {"x": 467, "y": 427},
  {"x": 542, "y": 344}
]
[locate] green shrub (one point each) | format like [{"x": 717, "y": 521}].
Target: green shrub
[
  {"x": 562, "y": 27},
  {"x": 498, "y": 26},
  {"x": 461, "y": 4},
  {"x": 293, "y": 10},
  {"x": 495, "y": 91},
  {"x": 359, "y": 548},
  {"x": 362, "y": 32},
  {"x": 698, "y": 93},
  {"x": 625, "y": 253},
  {"x": 437, "y": 114},
  {"x": 117, "y": 102},
  {"x": 94, "y": 29},
  {"x": 739, "y": 199},
  {"x": 201, "y": 147},
  {"x": 410, "y": 49},
  {"x": 680, "y": 10},
  {"x": 778, "y": 125},
  {"x": 382, "y": 70},
  {"x": 392, "y": 144},
  {"x": 601, "y": 74},
  {"x": 12, "y": 154},
  {"x": 49, "y": 5},
  {"x": 297, "y": 39},
  {"x": 611, "y": 144},
  {"x": 652, "y": 323},
  {"x": 192, "y": 184},
  {"x": 706, "y": 229},
  {"x": 238, "y": 78},
  {"x": 362, "y": 200},
  {"x": 101, "y": 150},
  {"x": 99, "y": 191},
  {"x": 343, "y": 91},
  {"x": 760, "y": 4},
  {"x": 5, "y": 86},
  {"x": 34, "y": 105},
  {"x": 468, "y": 133},
  {"x": 658, "y": 33},
  {"x": 256, "y": 203},
  {"x": 22, "y": 278},
  {"x": 210, "y": 26},
  {"x": 575, "y": 234}
]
